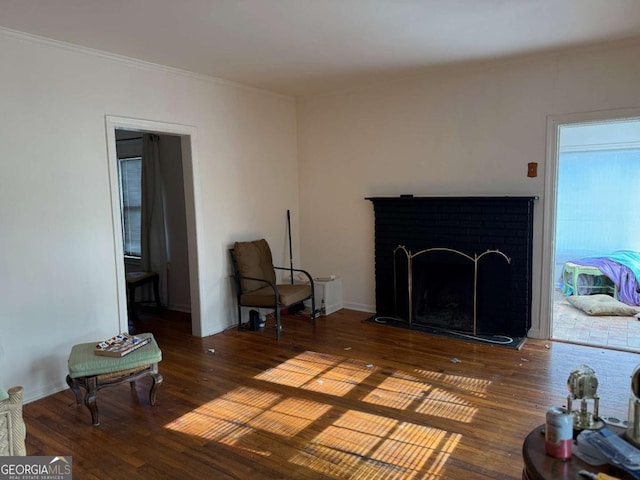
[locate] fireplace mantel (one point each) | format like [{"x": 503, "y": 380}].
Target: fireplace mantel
[
  {"x": 469, "y": 224},
  {"x": 411, "y": 197}
]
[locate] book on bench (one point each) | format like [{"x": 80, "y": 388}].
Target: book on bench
[{"x": 120, "y": 345}]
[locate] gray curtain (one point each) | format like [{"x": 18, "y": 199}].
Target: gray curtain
[{"x": 154, "y": 228}]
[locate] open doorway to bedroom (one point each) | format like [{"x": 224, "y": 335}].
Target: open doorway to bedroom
[
  {"x": 177, "y": 160},
  {"x": 154, "y": 226},
  {"x": 596, "y": 264}
]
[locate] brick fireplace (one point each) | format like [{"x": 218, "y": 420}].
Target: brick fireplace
[{"x": 461, "y": 263}]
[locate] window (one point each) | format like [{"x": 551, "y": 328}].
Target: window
[{"x": 130, "y": 173}]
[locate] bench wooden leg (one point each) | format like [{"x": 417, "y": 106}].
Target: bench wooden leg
[
  {"x": 75, "y": 388},
  {"x": 94, "y": 383},
  {"x": 90, "y": 399},
  {"x": 157, "y": 380}
]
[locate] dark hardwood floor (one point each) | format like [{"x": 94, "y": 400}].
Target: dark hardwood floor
[{"x": 346, "y": 399}]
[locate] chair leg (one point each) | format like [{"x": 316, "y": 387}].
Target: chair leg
[
  {"x": 156, "y": 290},
  {"x": 313, "y": 309},
  {"x": 278, "y": 327},
  {"x": 131, "y": 303},
  {"x": 239, "y": 315}
]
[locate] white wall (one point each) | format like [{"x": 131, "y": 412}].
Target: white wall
[
  {"x": 464, "y": 131},
  {"x": 57, "y": 269}
]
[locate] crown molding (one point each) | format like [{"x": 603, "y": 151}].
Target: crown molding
[
  {"x": 134, "y": 62},
  {"x": 481, "y": 65}
]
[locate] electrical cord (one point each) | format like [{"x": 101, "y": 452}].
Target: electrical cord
[{"x": 497, "y": 339}]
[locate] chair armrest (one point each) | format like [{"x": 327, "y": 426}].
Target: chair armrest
[
  {"x": 298, "y": 270},
  {"x": 313, "y": 290}
]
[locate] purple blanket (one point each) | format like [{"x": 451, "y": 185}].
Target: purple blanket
[{"x": 621, "y": 275}]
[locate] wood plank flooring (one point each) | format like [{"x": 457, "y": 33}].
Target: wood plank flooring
[{"x": 346, "y": 399}]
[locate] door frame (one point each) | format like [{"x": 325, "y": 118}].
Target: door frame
[
  {"x": 193, "y": 203},
  {"x": 550, "y": 204}
]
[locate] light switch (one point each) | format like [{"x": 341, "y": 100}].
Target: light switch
[{"x": 532, "y": 170}]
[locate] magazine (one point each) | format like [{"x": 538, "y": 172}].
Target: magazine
[{"x": 120, "y": 345}]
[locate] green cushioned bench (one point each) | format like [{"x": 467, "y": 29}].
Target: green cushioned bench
[{"x": 94, "y": 372}]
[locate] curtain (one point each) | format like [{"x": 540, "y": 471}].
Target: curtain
[{"x": 154, "y": 229}]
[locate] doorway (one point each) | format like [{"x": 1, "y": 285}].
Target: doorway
[
  {"x": 145, "y": 230},
  {"x": 593, "y": 177},
  {"x": 182, "y": 246}
]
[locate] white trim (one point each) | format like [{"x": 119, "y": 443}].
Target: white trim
[
  {"x": 178, "y": 307},
  {"x": 133, "y": 61},
  {"x": 116, "y": 214},
  {"x": 45, "y": 391},
  {"x": 360, "y": 307},
  {"x": 601, "y": 146},
  {"x": 480, "y": 65},
  {"x": 549, "y": 221},
  {"x": 193, "y": 204}
]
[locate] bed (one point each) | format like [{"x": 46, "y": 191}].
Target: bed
[{"x": 617, "y": 273}]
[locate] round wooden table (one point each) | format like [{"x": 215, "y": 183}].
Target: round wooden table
[{"x": 540, "y": 466}]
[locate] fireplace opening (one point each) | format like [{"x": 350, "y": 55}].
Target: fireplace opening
[{"x": 443, "y": 291}]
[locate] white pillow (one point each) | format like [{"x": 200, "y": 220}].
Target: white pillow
[{"x": 601, "y": 304}]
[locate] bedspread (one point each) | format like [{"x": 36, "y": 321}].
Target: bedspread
[{"x": 623, "y": 268}]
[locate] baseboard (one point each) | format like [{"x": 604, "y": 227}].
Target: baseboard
[
  {"x": 51, "y": 389},
  {"x": 179, "y": 307},
  {"x": 360, "y": 307},
  {"x": 334, "y": 307},
  {"x": 535, "y": 333}
]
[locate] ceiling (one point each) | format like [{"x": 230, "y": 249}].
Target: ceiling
[{"x": 306, "y": 47}]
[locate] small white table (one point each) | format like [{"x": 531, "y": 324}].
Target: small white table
[{"x": 328, "y": 295}]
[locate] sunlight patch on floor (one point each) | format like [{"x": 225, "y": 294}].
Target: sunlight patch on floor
[
  {"x": 317, "y": 372},
  {"x": 365, "y": 446},
  {"x": 354, "y": 444},
  {"x": 399, "y": 392},
  {"x": 444, "y": 404},
  {"x": 245, "y": 411},
  {"x": 474, "y": 386},
  {"x": 407, "y": 392}
]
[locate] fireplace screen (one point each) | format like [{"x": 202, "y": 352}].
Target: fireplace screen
[{"x": 449, "y": 289}]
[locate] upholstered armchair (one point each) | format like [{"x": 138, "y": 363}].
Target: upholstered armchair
[
  {"x": 256, "y": 286},
  {"x": 12, "y": 428}
]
